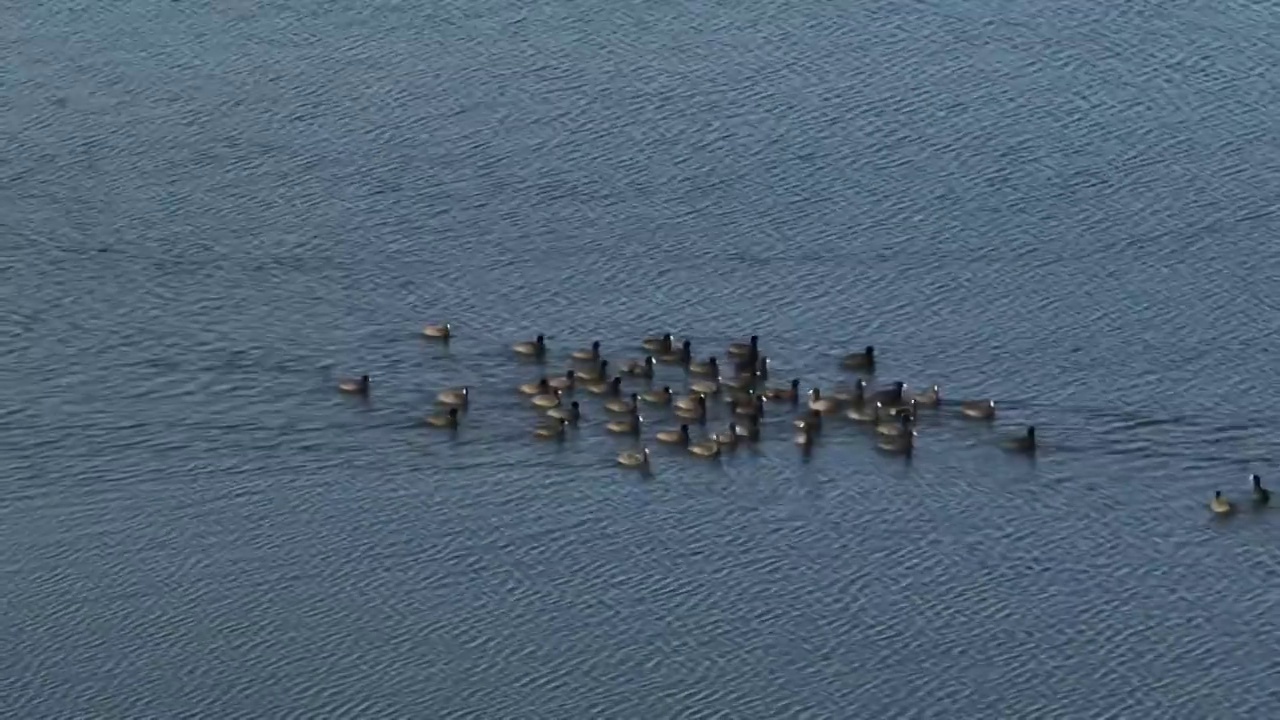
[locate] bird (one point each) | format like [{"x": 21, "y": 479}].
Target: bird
[
  {"x": 790, "y": 394},
  {"x": 438, "y": 332},
  {"x": 630, "y": 426},
  {"x": 864, "y": 414},
  {"x": 1220, "y": 505},
  {"x": 1261, "y": 495},
  {"x": 749, "y": 349},
  {"x": 634, "y": 458},
  {"x": 897, "y": 444},
  {"x": 447, "y": 420},
  {"x": 979, "y": 409},
  {"x": 639, "y": 368},
  {"x": 592, "y": 353},
  {"x": 536, "y": 348},
  {"x": 658, "y": 397},
  {"x": 613, "y": 388},
  {"x": 728, "y": 437},
  {"x": 711, "y": 367},
  {"x": 865, "y": 360},
  {"x": 688, "y": 402},
  {"x": 618, "y": 405},
  {"x": 596, "y": 374},
  {"x": 549, "y": 400},
  {"x": 358, "y": 386},
  {"x": 929, "y": 398},
  {"x": 567, "y": 382},
  {"x": 895, "y": 427},
  {"x": 705, "y": 387},
  {"x": 659, "y": 345},
  {"x": 821, "y": 404},
  {"x": 569, "y": 414},
  {"x": 459, "y": 397},
  {"x": 675, "y": 437},
  {"x": 554, "y": 431},
  {"x": 698, "y": 412},
  {"x": 1025, "y": 443},
  {"x": 706, "y": 449},
  {"x": 678, "y": 357},
  {"x": 542, "y": 387}
]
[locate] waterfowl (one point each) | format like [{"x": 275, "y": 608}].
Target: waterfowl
[
  {"x": 821, "y": 404},
  {"x": 566, "y": 382},
  {"x": 897, "y": 444},
  {"x": 864, "y": 414},
  {"x": 807, "y": 436},
  {"x": 706, "y": 449},
  {"x": 811, "y": 419},
  {"x": 1025, "y": 443},
  {"x": 929, "y": 398},
  {"x": 698, "y": 412},
  {"x": 675, "y": 437},
  {"x": 618, "y": 405},
  {"x": 979, "y": 409},
  {"x": 749, "y": 409},
  {"x": 537, "y": 348},
  {"x": 728, "y": 437},
  {"x": 438, "y": 332},
  {"x": 634, "y": 458},
  {"x": 711, "y": 367},
  {"x": 460, "y": 397},
  {"x": 790, "y": 394},
  {"x": 762, "y": 368},
  {"x": 542, "y": 387},
  {"x": 749, "y": 349},
  {"x": 660, "y": 345},
  {"x": 680, "y": 357},
  {"x": 705, "y": 387},
  {"x": 658, "y": 397},
  {"x": 865, "y": 360},
  {"x": 592, "y": 353},
  {"x": 891, "y": 395},
  {"x": 549, "y": 400},
  {"x": 639, "y": 368},
  {"x": 571, "y": 414},
  {"x": 1261, "y": 495},
  {"x": 752, "y": 430},
  {"x": 554, "y": 431},
  {"x": 596, "y": 374},
  {"x": 612, "y": 388},
  {"x": 359, "y": 386},
  {"x": 895, "y": 427},
  {"x": 689, "y": 402},
  {"x": 447, "y": 420},
  {"x": 1220, "y": 505},
  {"x": 855, "y": 395},
  {"x": 630, "y": 426}
]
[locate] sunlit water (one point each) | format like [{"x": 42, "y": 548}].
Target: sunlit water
[{"x": 211, "y": 211}]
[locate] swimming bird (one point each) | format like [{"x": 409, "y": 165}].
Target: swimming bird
[
  {"x": 790, "y": 394},
  {"x": 865, "y": 360},
  {"x": 891, "y": 395},
  {"x": 749, "y": 349},
  {"x": 688, "y": 402},
  {"x": 675, "y": 437},
  {"x": 554, "y": 431},
  {"x": 897, "y": 444},
  {"x": 571, "y": 414},
  {"x": 438, "y": 332},
  {"x": 658, "y": 345},
  {"x": 752, "y": 430},
  {"x": 929, "y": 398},
  {"x": 1261, "y": 495},
  {"x": 698, "y": 412},
  {"x": 821, "y": 404},
  {"x": 748, "y": 409},
  {"x": 979, "y": 409},
  {"x": 811, "y": 419},
  {"x": 855, "y": 395},
  {"x": 894, "y": 427},
  {"x": 447, "y": 420},
  {"x": 634, "y": 458},
  {"x": 590, "y": 354},
  {"x": 548, "y": 400},
  {"x": 630, "y": 426},
  {"x": 639, "y": 368},
  {"x": 807, "y": 436},
  {"x": 706, "y": 449},
  {"x": 705, "y": 387},
  {"x": 618, "y": 405},
  {"x": 356, "y": 387},
  {"x": 596, "y": 374},
  {"x": 710, "y": 367},
  {"x": 567, "y": 382},
  {"x": 613, "y": 388},
  {"x": 728, "y": 437},
  {"x": 1025, "y": 443},
  {"x": 864, "y": 414},
  {"x": 460, "y": 397},
  {"x": 680, "y": 357},
  {"x": 1220, "y": 505},
  {"x": 658, "y": 397},
  {"x": 536, "y": 349},
  {"x": 542, "y": 387}
]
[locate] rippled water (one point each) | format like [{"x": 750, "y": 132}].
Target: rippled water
[{"x": 210, "y": 211}]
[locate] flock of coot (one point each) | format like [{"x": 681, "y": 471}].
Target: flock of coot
[{"x": 629, "y": 389}]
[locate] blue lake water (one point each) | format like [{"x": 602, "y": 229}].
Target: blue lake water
[{"x": 209, "y": 212}]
